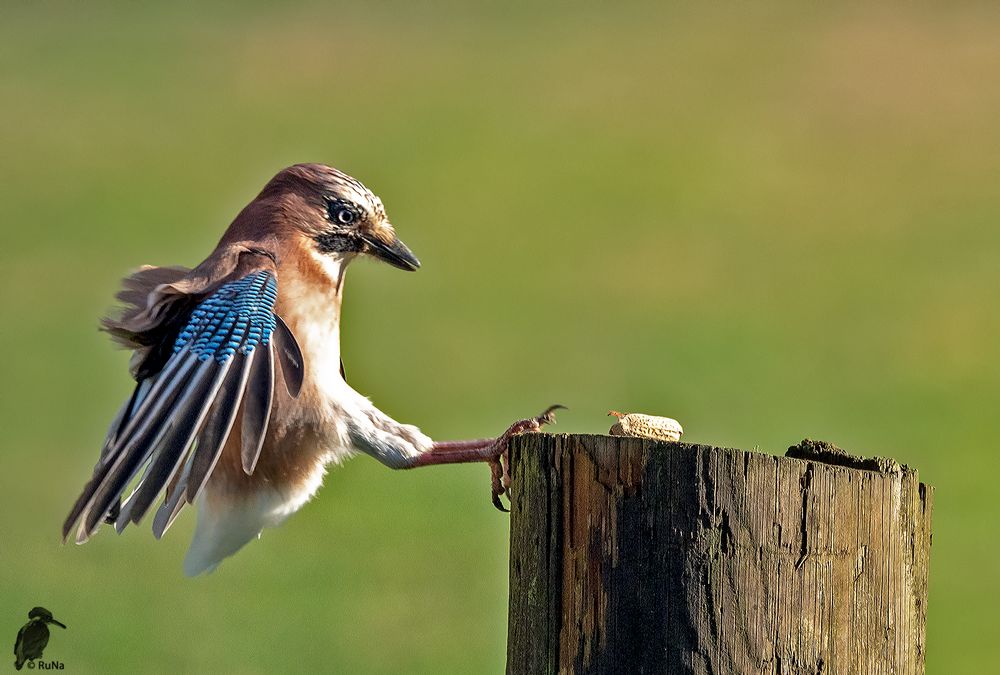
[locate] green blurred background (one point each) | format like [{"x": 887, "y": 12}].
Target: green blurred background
[{"x": 768, "y": 221}]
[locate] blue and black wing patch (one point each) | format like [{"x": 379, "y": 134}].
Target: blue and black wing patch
[{"x": 179, "y": 419}]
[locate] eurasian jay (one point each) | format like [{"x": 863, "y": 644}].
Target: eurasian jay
[{"x": 241, "y": 402}]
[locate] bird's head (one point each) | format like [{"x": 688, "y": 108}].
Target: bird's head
[
  {"x": 336, "y": 215},
  {"x": 42, "y": 614}
]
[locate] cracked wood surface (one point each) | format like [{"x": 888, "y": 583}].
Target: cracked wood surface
[{"x": 637, "y": 556}]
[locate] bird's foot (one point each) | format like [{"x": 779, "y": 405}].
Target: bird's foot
[{"x": 500, "y": 462}]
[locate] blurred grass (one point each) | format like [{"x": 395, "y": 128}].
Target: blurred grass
[{"x": 768, "y": 221}]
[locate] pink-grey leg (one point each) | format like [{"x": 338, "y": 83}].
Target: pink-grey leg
[{"x": 493, "y": 451}]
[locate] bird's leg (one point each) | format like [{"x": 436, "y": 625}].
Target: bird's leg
[{"x": 493, "y": 451}]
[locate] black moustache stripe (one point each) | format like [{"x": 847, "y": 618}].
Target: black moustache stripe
[{"x": 338, "y": 242}]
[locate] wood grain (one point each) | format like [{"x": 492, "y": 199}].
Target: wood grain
[{"x": 637, "y": 556}]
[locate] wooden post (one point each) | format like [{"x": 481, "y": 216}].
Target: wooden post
[{"x": 635, "y": 556}]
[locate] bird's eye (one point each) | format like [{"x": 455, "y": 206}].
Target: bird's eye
[
  {"x": 342, "y": 213},
  {"x": 345, "y": 216}
]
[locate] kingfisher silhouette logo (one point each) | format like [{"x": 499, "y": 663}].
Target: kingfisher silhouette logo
[{"x": 32, "y": 639}]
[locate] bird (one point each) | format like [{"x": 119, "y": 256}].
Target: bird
[
  {"x": 240, "y": 401},
  {"x": 33, "y": 636}
]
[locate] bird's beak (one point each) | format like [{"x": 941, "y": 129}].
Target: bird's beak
[
  {"x": 58, "y": 623},
  {"x": 394, "y": 252}
]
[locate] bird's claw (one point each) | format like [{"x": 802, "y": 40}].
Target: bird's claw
[
  {"x": 549, "y": 416},
  {"x": 497, "y": 473},
  {"x": 500, "y": 464}
]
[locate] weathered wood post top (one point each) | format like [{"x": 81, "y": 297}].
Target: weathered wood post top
[{"x": 637, "y": 556}]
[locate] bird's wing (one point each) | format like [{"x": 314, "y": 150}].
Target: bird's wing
[{"x": 178, "y": 419}]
